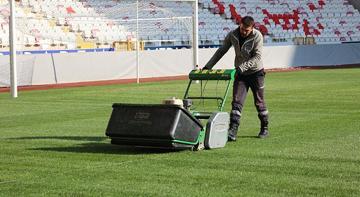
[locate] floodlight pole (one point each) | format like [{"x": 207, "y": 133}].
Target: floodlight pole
[
  {"x": 137, "y": 44},
  {"x": 12, "y": 39},
  {"x": 195, "y": 42}
]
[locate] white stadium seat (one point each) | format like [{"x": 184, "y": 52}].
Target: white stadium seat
[{"x": 73, "y": 21}]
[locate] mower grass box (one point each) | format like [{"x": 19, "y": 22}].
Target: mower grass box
[{"x": 168, "y": 126}]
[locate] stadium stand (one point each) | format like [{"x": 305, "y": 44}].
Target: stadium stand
[
  {"x": 323, "y": 21},
  {"x": 84, "y": 24}
]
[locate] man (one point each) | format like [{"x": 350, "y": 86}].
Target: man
[{"x": 248, "y": 44}]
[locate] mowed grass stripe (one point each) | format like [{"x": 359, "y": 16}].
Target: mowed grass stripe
[{"x": 53, "y": 143}]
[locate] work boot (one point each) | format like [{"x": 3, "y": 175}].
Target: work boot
[
  {"x": 264, "y": 119},
  {"x": 232, "y": 132},
  {"x": 264, "y": 132}
]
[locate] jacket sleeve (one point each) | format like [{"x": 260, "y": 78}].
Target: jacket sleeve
[
  {"x": 219, "y": 53},
  {"x": 256, "y": 54}
]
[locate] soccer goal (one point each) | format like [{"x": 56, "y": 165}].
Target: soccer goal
[{"x": 97, "y": 24}]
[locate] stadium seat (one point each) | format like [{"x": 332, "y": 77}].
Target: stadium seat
[{"x": 101, "y": 21}]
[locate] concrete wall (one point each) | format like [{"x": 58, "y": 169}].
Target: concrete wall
[{"x": 81, "y": 67}]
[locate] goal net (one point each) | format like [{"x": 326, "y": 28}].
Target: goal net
[
  {"x": 25, "y": 69},
  {"x": 49, "y": 24},
  {"x": 63, "y": 25}
]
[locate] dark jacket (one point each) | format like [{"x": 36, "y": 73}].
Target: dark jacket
[{"x": 248, "y": 58}]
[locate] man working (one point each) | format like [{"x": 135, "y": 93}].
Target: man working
[{"x": 248, "y": 45}]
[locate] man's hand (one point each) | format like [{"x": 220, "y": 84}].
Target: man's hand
[
  {"x": 205, "y": 68},
  {"x": 238, "y": 70}
]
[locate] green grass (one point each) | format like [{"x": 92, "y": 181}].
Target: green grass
[{"x": 53, "y": 143}]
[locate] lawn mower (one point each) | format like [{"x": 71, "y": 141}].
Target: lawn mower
[{"x": 176, "y": 123}]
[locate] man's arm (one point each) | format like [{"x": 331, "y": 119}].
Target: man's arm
[
  {"x": 219, "y": 53},
  {"x": 256, "y": 54}
]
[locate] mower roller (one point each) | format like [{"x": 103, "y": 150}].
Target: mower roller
[{"x": 173, "y": 125}]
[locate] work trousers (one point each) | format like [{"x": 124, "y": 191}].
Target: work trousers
[{"x": 240, "y": 89}]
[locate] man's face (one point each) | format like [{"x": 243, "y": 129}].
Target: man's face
[{"x": 245, "y": 31}]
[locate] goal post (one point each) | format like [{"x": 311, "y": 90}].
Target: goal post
[
  {"x": 188, "y": 26},
  {"x": 12, "y": 38},
  {"x": 195, "y": 32}
]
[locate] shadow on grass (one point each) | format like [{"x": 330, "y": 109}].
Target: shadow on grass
[
  {"x": 104, "y": 148},
  {"x": 93, "y": 144},
  {"x": 75, "y": 138}
]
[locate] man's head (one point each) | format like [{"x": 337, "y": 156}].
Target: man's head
[{"x": 246, "y": 26}]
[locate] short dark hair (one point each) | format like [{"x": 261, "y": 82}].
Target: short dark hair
[{"x": 248, "y": 21}]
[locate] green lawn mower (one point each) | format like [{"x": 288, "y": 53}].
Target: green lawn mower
[{"x": 176, "y": 124}]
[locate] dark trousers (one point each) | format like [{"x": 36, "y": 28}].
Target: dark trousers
[{"x": 240, "y": 89}]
